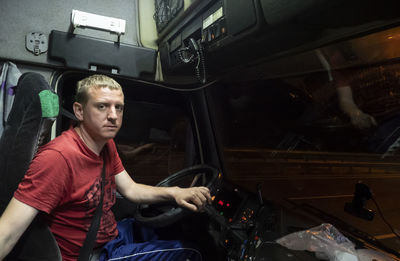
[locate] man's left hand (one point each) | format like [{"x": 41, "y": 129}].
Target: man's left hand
[{"x": 194, "y": 198}]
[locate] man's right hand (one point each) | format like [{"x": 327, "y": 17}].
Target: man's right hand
[
  {"x": 13, "y": 223},
  {"x": 362, "y": 120}
]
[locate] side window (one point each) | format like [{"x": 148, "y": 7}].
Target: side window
[
  {"x": 339, "y": 120},
  {"x": 155, "y": 141},
  {"x": 156, "y": 137}
]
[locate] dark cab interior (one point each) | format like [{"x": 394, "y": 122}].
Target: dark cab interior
[{"x": 250, "y": 99}]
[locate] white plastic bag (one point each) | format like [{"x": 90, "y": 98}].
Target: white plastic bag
[{"x": 325, "y": 240}]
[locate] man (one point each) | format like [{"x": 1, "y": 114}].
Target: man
[{"x": 63, "y": 180}]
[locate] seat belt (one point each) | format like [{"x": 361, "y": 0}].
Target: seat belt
[{"x": 87, "y": 248}]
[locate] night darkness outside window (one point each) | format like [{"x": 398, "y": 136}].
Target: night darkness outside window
[{"x": 154, "y": 142}]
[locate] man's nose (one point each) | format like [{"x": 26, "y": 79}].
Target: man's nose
[{"x": 112, "y": 113}]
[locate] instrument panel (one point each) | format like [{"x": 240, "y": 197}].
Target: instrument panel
[{"x": 247, "y": 228}]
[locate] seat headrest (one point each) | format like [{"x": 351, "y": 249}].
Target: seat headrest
[{"x": 34, "y": 109}]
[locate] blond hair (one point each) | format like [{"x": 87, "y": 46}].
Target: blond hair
[{"x": 94, "y": 81}]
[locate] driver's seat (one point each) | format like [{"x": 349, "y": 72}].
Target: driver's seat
[{"x": 34, "y": 110}]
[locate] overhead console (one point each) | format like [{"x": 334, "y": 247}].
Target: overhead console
[
  {"x": 207, "y": 27},
  {"x": 215, "y": 36}
]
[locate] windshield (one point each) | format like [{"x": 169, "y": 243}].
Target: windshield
[{"x": 311, "y": 135}]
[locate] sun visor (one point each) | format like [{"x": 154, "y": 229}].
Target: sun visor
[{"x": 83, "y": 52}]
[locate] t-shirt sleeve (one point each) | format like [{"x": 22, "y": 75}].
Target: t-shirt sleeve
[
  {"x": 45, "y": 182},
  {"x": 118, "y": 167}
]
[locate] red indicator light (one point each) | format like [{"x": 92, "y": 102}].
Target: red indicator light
[
  {"x": 221, "y": 202},
  {"x": 227, "y": 204}
]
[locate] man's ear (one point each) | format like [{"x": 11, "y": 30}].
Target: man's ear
[{"x": 78, "y": 110}]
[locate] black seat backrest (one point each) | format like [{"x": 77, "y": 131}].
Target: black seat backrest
[{"x": 34, "y": 110}]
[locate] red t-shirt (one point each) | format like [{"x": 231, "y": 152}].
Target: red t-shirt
[{"x": 63, "y": 181}]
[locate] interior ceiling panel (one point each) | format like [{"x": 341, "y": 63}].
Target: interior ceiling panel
[{"x": 25, "y": 16}]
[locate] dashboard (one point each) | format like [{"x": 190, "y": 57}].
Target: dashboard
[{"x": 246, "y": 227}]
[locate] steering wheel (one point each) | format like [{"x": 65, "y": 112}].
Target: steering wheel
[{"x": 164, "y": 214}]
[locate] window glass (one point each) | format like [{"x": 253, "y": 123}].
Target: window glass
[
  {"x": 310, "y": 136},
  {"x": 155, "y": 141},
  {"x": 351, "y": 104}
]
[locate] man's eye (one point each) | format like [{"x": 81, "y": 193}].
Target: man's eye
[
  {"x": 101, "y": 106},
  {"x": 119, "y": 108}
]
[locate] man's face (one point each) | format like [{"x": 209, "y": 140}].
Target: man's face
[{"x": 102, "y": 115}]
